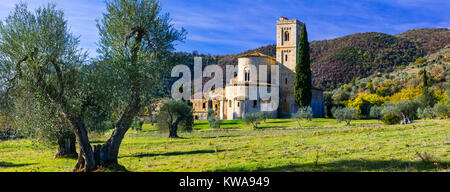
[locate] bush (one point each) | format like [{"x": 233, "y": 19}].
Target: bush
[
  {"x": 254, "y": 119},
  {"x": 391, "y": 118},
  {"x": 441, "y": 111},
  {"x": 344, "y": 114},
  {"x": 364, "y": 102},
  {"x": 213, "y": 120},
  {"x": 425, "y": 113}
]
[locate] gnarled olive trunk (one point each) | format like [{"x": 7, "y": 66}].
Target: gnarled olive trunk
[
  {"x": 66, "y": 147},
  {"x": 106, "y": 155},
  {"x": 86, "y": 161},
  {"x": 406, "y": 119},
  {"x": 173, "y": 129}
]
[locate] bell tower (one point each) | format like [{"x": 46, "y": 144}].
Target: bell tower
[{"x": 288, "y": 33}]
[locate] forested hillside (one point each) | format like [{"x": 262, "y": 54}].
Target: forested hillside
[
  {"x": 339, "y": 61},
  {"x": 398, "y": 82},
  {"x": 404, "y": 83}
]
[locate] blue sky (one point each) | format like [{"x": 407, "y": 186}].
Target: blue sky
[{"x": 233, "y": 26}]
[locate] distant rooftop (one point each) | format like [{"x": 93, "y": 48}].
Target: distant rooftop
[{"x": 256, "y": 54}]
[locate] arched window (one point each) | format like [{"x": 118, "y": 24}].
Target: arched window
[
  {"x": 286, "y": 57},
  {"x": 247, "y": 75},
  {"x": 286, "y": 36}
]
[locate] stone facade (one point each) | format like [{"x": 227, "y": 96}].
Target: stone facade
[{"x": 235, "y": 101}]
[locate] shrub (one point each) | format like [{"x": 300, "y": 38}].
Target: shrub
[
  {"x": 425, "y": 113},
  {"x": 364, "y": 101},
  {"x": 441, "y": 111},
  {"x": 344, "y": 114},
  {"x": 213, "y": 120},
  {"x": 391, "y": 118},
  {"x": 253, "y": 119},
  {"x": 420, "y": 61}
]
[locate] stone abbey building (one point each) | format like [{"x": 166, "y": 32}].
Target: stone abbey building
[{"x": 234, "y": 102}]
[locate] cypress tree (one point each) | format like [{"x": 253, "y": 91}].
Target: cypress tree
[
  {"x": 302, "y": 82},
  {"x": 427, "y": 99}
]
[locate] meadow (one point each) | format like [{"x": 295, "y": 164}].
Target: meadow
[{"x": 280, "y": 145}]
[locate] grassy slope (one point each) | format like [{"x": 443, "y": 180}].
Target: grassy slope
[{"x": 321, "y": 145}]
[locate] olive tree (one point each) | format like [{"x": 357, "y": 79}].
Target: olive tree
[
  {"x": 303, "y": 113},
  {"x": 40, "y": 120},
  {"x": 407, "y": 110},
  {"x": 38, "y": 51},
  {"x": 135, "y": 44},
  {"x": 344, "y": 114},
  {"x": 213, "y": 120},
  {"x": 174, "y": 115},
  {"x": 40, "y": 60},
  {"x": 375, "y": 112},
  {"x": 253, "y": 119}
]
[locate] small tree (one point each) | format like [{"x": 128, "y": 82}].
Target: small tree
[
  {"x": 344, "y": 114},
  {"x": 391, "y": 118},
  {"x": 267, "y": 115},
  {"x": 173, "y": 113},
  {"x": 253, "y": 119},
  {"x": 375, "y": 112},
  {"x": 303, "y": 113},
  {"x": 213, "y": 120}
]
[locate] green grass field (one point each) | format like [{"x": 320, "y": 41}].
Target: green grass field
[{"x": 320, "y": 145}]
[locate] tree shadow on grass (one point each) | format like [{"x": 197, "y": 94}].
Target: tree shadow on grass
[
  {"x": 174, "y": 153},
  {"x": 96, "y": 142},
  {"x": 8, "y": 164},
  {"x": 351, "y": 166}
]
